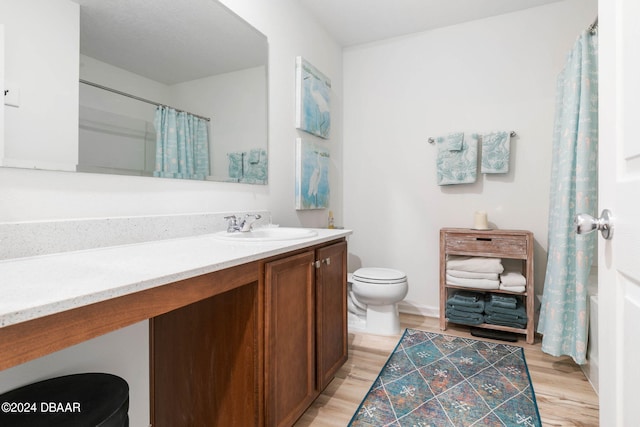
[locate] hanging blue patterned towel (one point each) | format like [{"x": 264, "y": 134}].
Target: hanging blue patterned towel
[
  {"x": 235, "y": 164},
  {"x": 255, "y": 167},
  {"x": 495, "y": 152},
  {"x": 457, "y": 158}
]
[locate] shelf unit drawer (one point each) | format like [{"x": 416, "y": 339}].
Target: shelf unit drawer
[{"x": 496, "y": 246}]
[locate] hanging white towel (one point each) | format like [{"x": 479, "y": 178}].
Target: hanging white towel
[{"x": 495, "y": 152}]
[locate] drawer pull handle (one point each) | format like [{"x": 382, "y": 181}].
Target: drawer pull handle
[{"x": 484, "y": 239}]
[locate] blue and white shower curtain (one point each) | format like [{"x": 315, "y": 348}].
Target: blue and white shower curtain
[
  {"x": 182, "y": 145},
  {"x": 563, "y": 314}
]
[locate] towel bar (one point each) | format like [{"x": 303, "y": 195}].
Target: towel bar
[{"x": 432, "y": 140}]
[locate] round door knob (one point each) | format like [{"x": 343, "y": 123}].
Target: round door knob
[{"x": 585, "y": 223}]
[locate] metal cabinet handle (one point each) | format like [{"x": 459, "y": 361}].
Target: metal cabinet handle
[
  {"x": 319, "y": 262},
  {"x": 585, "y": 223}
]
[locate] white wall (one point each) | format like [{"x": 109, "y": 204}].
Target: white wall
[
  {"x": 496, "y": 73},
  {"x": 238, "y": 122},
  {"x": 107, "y": 75},
  {"x": 2, "y": 83},
  {"x": 43, "y": 130},
  {"x": 236, "y": 103},
  {"x": 127, "y": 143},
  {"x": 291, "y": 32},
  {"x": 119, "y": 353}
]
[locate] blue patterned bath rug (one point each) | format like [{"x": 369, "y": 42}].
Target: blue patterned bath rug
[{"x": 439, "y": 380}]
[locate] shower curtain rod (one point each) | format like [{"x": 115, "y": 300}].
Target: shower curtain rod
[
  {"x": 128, "y": 95},
  {"x": 432, "y": 140}
]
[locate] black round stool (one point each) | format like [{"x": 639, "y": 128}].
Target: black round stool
[{"x": 79, "y": 400}]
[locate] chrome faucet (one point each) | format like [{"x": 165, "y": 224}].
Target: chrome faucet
[{"x": 243, "y": 224}]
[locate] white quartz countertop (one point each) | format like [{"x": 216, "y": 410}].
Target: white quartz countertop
[{"x": 43, "y": 285}]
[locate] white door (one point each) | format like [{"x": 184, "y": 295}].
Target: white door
[{"x": 619, "y": 191}]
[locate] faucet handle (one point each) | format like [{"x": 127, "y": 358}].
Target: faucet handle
[
  {"x": 232, "y": 223},
  {"x": 247, "y": 223}
]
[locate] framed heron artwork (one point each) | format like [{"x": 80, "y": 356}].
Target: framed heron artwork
[
  {"x": 312, "y": 175},
  {"x": 313, "y": 99}
]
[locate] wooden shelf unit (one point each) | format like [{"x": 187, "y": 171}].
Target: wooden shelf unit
[{"x": 505, "y": 244}]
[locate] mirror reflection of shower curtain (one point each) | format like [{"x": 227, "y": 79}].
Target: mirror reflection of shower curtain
[
  {"x": 574, "y": 189},
  {"x": 182, "y": 145}
]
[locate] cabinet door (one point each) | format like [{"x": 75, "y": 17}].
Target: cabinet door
[
  {"x": 290, "y": 338},
  {"x": 331, "y": 311}
]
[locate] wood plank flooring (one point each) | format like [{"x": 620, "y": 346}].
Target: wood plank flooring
[{"x": 565, "y": 397}]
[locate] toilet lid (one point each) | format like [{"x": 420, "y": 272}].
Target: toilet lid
[{"x": 379, "y": 275}]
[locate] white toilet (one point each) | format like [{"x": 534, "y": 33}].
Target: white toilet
[{"x": 373, "y": 299}]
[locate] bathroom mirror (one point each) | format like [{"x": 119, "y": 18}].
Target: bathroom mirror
[{"x": 195, "y": 56}]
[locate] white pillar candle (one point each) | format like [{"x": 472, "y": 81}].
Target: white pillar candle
[{"x": 481, "y": 222}]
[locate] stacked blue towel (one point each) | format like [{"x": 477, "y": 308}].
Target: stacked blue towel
[
  {"x": 466, "y": 307},
  {"x": 505, "y": 310},
  {"x": 502, "y": 300},
  {"x": 467, "y": 296}
]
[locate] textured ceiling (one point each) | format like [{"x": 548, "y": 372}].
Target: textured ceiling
[
  {"x": 169, "y": 41},
  {"x": 362, "y": 21},
  {"x": 172, "y": 41}
]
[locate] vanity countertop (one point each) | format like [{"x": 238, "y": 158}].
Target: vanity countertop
[{"x": 39, "y": 286}]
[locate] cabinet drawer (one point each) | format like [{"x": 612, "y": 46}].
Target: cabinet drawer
[{"x": 499, "y": 246}]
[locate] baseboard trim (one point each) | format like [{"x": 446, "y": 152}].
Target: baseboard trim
[{"x": 410, "y": 307}]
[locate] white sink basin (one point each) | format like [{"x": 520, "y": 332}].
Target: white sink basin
[{"x": 267, "y": 234}]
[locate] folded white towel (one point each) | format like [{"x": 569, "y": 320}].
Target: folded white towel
[
  {"x": 472, "y": 274},
  {"x": 512, "y": 278},
  {"x": 473, "y": 283},
  {"x": 510, "y": 287},
  {"x": 516, "y": 289},
  {"x": 477, "y": 264}
]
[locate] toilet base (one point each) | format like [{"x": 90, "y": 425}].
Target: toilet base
[
  {"x": 356, "y": 323},
  {"x": 380, "y": 320}
]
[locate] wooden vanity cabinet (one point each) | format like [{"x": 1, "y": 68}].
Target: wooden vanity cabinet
[
  {"x": 305, "y": 329},
  {"x": 249, "y": 345},
  {"x": 259, "y": 351}
]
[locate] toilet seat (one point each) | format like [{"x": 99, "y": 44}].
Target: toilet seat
[{"x": 379, "y": 276}]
